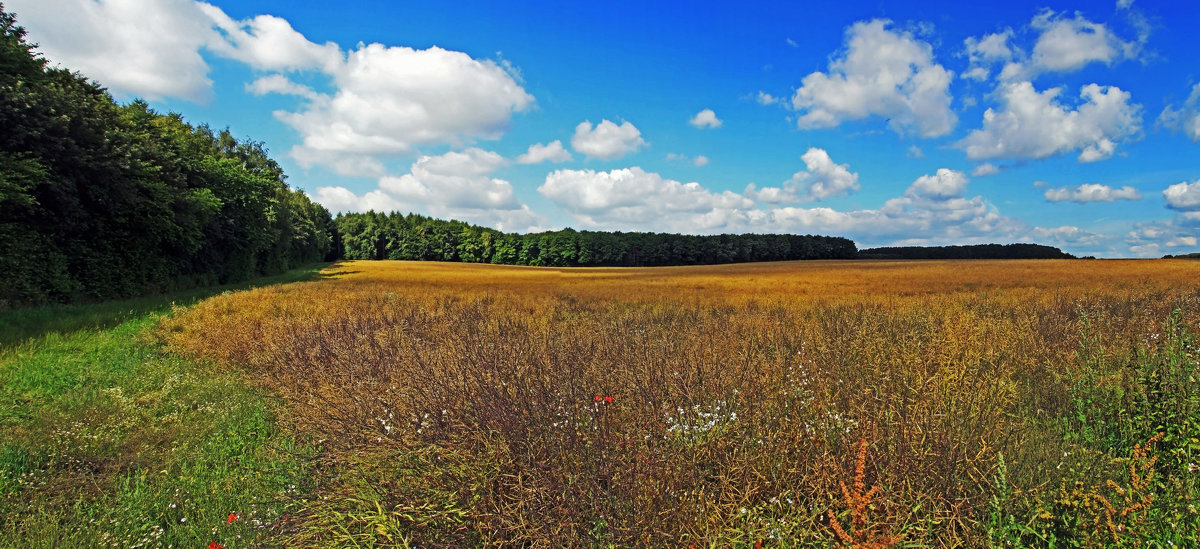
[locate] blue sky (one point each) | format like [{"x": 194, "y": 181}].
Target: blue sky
[{"x": 1070, "y": 124}]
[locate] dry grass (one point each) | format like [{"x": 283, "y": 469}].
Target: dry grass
[{"x": 459, "y": 402}]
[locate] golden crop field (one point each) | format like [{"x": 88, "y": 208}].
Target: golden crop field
[{"x": 852, "y": 403}]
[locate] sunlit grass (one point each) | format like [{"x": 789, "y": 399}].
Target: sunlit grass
[{"x": 106, "y": 440}]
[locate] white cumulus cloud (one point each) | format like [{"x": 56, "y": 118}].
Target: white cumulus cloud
[
  {"x": 1182, "y": 241},
  {"x": 882, "y": 73},
  {"x": 1063, "y": 44},
  {"x": 705, "y": 119},
  {"x": 458, "y": 185},
  {"x": 606, "y": 140},
  {"x": 1068, "y": 44},
  {"x": 985, "y": 51},
  {"x": 1091, "y": 192},
  {"x": 944, "y": 184},
  {"x": 391, "y": 99},
  {"x": 634, "y": 198},
  {"x": 1034, "y": 125},
  {"x": 136, "y": 48},
  {"x": 550, "y": 152},
  {"x": 383, "y": 100},
  {"x": 269, "y": 43},
  {"x": 1185, "y": 118},
  {"x": 822, "y": 178},
  {"x": 1183, "y": 196}
]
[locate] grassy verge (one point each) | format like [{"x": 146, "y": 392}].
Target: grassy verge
[
  {"x": 107, "y": 440},
  {"x": 23, "y": 324}
]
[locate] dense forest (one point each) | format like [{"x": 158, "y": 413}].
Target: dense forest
[
  {"x": 976, "y": 251},
  {"x": 100, "y": 200},
  {"x": 374, "y": 235}
]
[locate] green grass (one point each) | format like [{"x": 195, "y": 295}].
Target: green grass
[
  {"x": 22, "y": 324},
  {"x": 106, "y": 440}
]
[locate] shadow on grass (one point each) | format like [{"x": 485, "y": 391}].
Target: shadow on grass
[{"x": 22, "y": 324}]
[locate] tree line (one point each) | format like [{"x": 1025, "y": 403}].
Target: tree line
[
  {"x": 975, "y": 251},
  {"x": 100, "y": 200},
  {"x": 376, "y": 235}
]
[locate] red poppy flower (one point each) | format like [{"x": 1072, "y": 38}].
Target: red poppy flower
[
  {"x": 215, "y": 545},
  {"x": 608, "y": 399},
  {"x": 597, "y": 399},
  {"x": 232, "y": 517}
]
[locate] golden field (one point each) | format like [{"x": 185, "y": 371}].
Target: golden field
[{"x": 853, "y": 403}]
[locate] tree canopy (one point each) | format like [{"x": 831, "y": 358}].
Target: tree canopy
[{"x": 100, "y": 200}]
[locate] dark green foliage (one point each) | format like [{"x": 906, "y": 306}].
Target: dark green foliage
[
  {"x": 102, "y": 201},
  {"x": 976, "y": 251},
  {"x": 374, "y": 235}
]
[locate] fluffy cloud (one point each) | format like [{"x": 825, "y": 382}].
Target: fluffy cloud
[
  {"x": 633, "y": 197},
  {"x": 1063, "y": 44},
  {"x": 883, "y": 73},
  {"x": 1182, "y": 241},
  {"x": 1183, "y": 196},
  {"x": 455, "y": 179},
  {"x": 943, "y": 185},
  {"x": 269, "y": 43},
  {"x": 705, "y": 119},
  {"x": 147, "y": 49},
  {"x": 607, "y": 140},
  {"x": 538, "y": 153},
  {"x": 384, "y": 100},
  {"x": 1186, "y": 118},
  {"x": 985, "y": 51},
  {"x": 905, "y": 220},
  {"x": 822, "y": 179},
  {"x": 456, "y": 185},
  {"x": 932, "y": 212},
  {"x": 1069, "y": 236},
  {"x": 391, "y": 99},
  {"x": 1149, "y": 239},
  {"x": 1091, "y": 192},
  {"x": 1068, "y": 44},
  {"x": 1033, "y": 125}
]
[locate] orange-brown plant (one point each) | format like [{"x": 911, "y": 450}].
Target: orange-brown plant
[{"x": 861, "y": 534}]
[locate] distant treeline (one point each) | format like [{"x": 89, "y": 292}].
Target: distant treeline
[
  {"x": 99, "y": 200},
  {"x": 976, "y": 251},
  {"x": 1195, "y": 255},
  {"x": 374, "y": 235}
]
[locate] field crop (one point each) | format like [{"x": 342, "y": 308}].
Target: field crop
[{"x": 865, "y": 404}]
